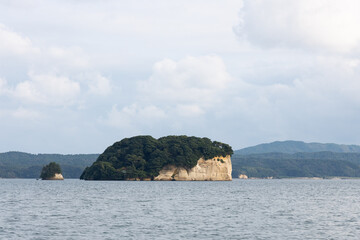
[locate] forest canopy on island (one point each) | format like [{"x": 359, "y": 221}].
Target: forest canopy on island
[
  {"x": 144, "y": 156},
  {"x": 50, "y": 170}
]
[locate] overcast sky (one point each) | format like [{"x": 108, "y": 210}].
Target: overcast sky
[{"x": 77, "y": 75}]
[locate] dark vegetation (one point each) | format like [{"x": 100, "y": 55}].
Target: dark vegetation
[
  {"x": 297, "y": 146},
  {"x": 49, "y": 171},
  {"x": 280, "y": 165},
  {"x": 144, "y": 156},
  {"x": 25, "y": 165},
  {"x": 136, "y": 159}
]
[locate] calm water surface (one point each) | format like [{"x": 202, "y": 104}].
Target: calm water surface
[{"x": 241, "y": 209}]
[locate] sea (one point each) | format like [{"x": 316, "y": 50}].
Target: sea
[{"x": 238, "y": 209}]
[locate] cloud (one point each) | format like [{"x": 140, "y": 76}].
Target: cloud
[
  {"x": 28, "y": 114},
  {"x": 134, "y": 117},
  {"x": 191, "y": 80},
  {"x": 189, "y": 111},
  {"x": 70, "y": 57},
  {"x": 308, "y": 49},
  {"x": 302, "y": 72},
  {"x": 47, "y": 89},
  {"x": 325, "y": 25},
  {"x": 13, "y": 43},
  {"x": 99, "y": 85},
  {"x": 293, "y": 74},
  {"x": 67, "y": 69},
  {"x": 20, "y": 113},
  {"x": 22, "y": 52},
  {"x": 3, "y": 86},
  {"x": 176, "y": 91},
  {"x": 312, "y": 98}
]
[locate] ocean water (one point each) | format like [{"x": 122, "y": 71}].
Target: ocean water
[{"x": 241, "y": 209}]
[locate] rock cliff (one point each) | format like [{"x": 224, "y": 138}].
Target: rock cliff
[
  {"x": 57, "y": 176},
  {"x": 215, "y": 169}
]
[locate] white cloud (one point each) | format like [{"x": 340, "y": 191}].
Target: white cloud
[
  {"x": 47, "y": 89},
  {"x": 192, "y": 80},
  {"x": 302, "y": 82},
  {"x": 99, "y": 85},
  {"x": 327, "y": 25},
  {"x": 134, "y": 116},
  {"x": 294, "y": 74},
  {"x": 20, "y": 113},
  {"x": 72, "y": 57},
  {"x": 13, "y": 43},
  {"x": 191, "y": 110},
  {"x": 28, "y": 114},
  {"x": 22, "y": 52},
  {"x": 310, "y": 52},
  {"x": 59, "y": 84},
  {"x": 176, "y": 91},
  {"x": 3, "y": 86}
]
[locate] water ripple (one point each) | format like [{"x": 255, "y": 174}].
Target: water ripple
[{"x": 241, "y": 209}]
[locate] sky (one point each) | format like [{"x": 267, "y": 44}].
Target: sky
[{"x": 77, "y": 76}]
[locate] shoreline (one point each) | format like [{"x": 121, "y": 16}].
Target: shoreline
[{"x": 301, "y": 178}]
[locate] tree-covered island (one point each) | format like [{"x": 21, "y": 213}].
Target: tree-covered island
[
  {"x": 52, "y": 171},
  {"x": 142, "y": 157}
]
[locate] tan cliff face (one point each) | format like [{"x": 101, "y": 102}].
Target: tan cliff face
[
  {"x": 57, "y": 176},
  {"x": 215, "y": 169}
]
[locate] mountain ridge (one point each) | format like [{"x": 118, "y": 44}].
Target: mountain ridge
[
  {"x": 278, "y": 159},
  {"x": 16, "y": 164},
  {"x": 280, "y": 165},
  {"x": 292, "y": 146}
]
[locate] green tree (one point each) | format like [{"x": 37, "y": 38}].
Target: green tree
[
  {"x": 144, "y": 156},
  {"x": 49, "y": 171}
]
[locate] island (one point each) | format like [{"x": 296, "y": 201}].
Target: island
[
  {"x": 52, "y": 171},
  {"x": 180, "y": 158}
]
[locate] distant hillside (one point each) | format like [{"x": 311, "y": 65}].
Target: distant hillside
[
  {"x": 25, "y": 165},
  {"x": 298, "y": 146},
  {"x": 280, "y": 165}
]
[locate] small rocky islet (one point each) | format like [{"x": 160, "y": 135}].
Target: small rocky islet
[
  {"x": 170, "y": 158},
  {"x": 52, "y": 171}
]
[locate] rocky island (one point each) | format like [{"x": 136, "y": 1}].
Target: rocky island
[
  {"x": 168, "y": 158},
  {"x": 52, "y": 171}
]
